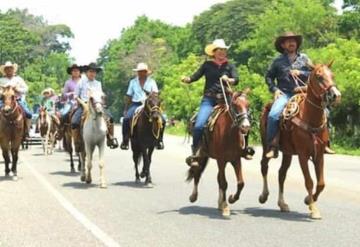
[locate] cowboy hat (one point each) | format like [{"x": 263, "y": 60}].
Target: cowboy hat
[
  {"x": 48, "y": 90},
  {"x": 74, "y": 66},
  {"x": 6, "y": 65},
  {"x": 216, "y": 44},
  {"x": 142, "y": 67},
  {"x": 91, "y": 66},
  {"x": 287, "y": 35}
]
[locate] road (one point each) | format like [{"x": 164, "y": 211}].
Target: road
[{"x": 48, "y": 206}]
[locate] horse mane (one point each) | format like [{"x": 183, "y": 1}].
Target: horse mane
[{"x": 85, "y": 107}]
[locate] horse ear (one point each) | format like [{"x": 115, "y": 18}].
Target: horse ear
[
  {"x": 331, "y": 63},
  {"x": 247, "y": 91}
]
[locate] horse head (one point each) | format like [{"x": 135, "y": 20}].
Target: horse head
[
  {"x": 322, "y": 85},
  {"x": 8, "y": 96},
  {"x": 152, "y": 106},
  {"x": 96, "y": 103},
  {"x": 239, "y": 110}
]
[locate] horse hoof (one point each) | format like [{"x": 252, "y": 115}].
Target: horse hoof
[
  {"x": 15, "y": 178},
  {"x": 88, "y": 181},
  {"x": 307, "y": 200},
  {"x": 103, "y": 186},
  {"x": 7, "y": 174},
  {"x": 72, "y": 170},
  {"x": 226, "y": 212},
  {"x": 149, "y": 185},
  {"x": 193, "y": 198},
  {"x": 232, "y": 200},
  {"x": 137, "y": 180},
  {"x": 263, "y": 198},
  {"x": 82, "y": 178},
  {"x": 315, "y": 215},
  {"x": 142, "y": 174},
  {"x": 284, "y": 207}
]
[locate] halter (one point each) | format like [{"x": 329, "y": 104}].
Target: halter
[
  {"x": 7, "y": 115},
  {"x": 156, "y": 126}
]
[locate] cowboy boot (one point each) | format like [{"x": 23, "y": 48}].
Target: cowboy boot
[
  {"x": 192, "y": 160},
  {"x": 274, "y": 148},
  {"x": 125, "y": 143},
  {"x": 110, "y": 140}
]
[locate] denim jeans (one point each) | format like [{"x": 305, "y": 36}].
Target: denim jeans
[
  {"x": 23, "y": 105},
  {"x": 129, "y": 114},
  {"x": 66, "y": 109},
  {"x": 274, "y": 116},
  {"x": 206, "y": 107}
]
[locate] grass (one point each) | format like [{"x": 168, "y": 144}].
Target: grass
[
  {"x": 178, "y": 130},
  {"x": 346, "y": 150}
]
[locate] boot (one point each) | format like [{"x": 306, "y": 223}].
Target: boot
[
  {"x": 110, "y": 140},
  {"x": 125, "y": 143},
  {"x": 192, "y": 160},
  {"x": 273, "y": 150}
]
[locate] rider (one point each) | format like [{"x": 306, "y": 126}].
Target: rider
[
  {"x": 214, "y": 69},
  {"x": 82, "y": 91},
  {"x": 285, "y": 68},
  {"x": 48, "y": 102},
  {"x": 135, "y": 97},
  {"x": 11, "y": 79}
]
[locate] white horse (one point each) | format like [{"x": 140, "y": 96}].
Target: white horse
[
  {"x": 94, "y": 134},
  {"x": 48, "y": 131}
]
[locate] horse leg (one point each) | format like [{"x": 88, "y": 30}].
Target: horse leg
[
  {"x": 89, "y": 156},
  {"x": 14, "y": 154},
  {"x": 222, "y": 204},
  {"x": 145, "y": 162},
  {"x": 264, "y": 171},
  {"x": 239, "y": 179},
  {"x": 309, "y": 200},
  {"x": 319, "y": 170},
  {"x": 148, "y": 180},
  {"x": 136, "y": 159},
  {"x": 102, "y": 164},
  {"x": 70, "y": 150},
  {"x": 196, "y": 175},
  {"x": 82, "y": 166},
  {"x": 5, "y": 153},
  {"x": 285, "y": 164}
]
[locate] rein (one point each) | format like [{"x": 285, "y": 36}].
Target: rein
[
  {"x": 156, "y": 126},
  {"x": 7, "y": 115}
]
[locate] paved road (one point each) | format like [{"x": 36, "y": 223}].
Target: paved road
[{"x": 48, "y": 206}]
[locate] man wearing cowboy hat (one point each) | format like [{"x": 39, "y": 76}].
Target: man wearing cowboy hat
[
  {"x": 48, "y": 102},
  {"x": 8, "y": 70},
  {"x": 135, "y": 97},
  {"x": 89, "y": 83},
  {"x": 290, "y": 64}
]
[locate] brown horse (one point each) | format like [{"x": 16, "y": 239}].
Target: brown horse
[
  {"x": 145, "y": 135},
  {"x": 225, "y": 143},
  {"x": 304, "y": 135},
  {"x": 11, "y": 129},
  {"x": 48, "y": 130}
]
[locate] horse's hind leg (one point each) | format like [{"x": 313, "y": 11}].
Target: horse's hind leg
[
  {"x": 319, "y": 170},
  {"x": 89, "y": 156},
  {"x": 14, "y": 154},
  {"x": 285, "y": 164},
  {"x": 195, "y": 173},
  {"x": 239, "y": 179},
  {"x": 102, "y": 165},
  {"x": 223, "y": 206},
  {"x": 136, "y": 158},
  {"x": 264, "y": 171},
  {"x": 148, "y": 180},
  {"x": 5, "y": 153}
]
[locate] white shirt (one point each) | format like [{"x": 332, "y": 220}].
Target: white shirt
[
  {"x": 137, "y": 93},
  {"x": 15, "y": 81},
  {"x": 85, "y": 86}
]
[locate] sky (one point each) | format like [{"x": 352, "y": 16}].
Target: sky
[{"x": 93, "y": 24}]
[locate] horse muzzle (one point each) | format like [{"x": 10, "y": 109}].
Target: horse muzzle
[
  {"x": 333, "y": 96},
  {"x": 245, "y": 126}
]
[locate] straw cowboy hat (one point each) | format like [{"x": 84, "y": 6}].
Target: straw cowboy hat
[
  {"x": 142, "y": 67},
  {"x": 6, "y": 65},
  {"x": 287, "y": 35},
  {"x": 72, "y": 67},
  {"x": 48, "y": 90},
  {"x": 92, "y": 66},
  {"x": 216, "y": 44}
]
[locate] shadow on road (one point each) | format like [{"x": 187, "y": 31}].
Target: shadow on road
[
  {"x": 273, "y": 213},
  {"x": 64, "y": 173},
  {"x": 79, "y": 185},
  {"x": 132, "y": 184},
  {"x": 212, "y": 213}
]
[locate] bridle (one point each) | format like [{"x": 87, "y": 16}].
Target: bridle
[{"x": 149, "y": 111}]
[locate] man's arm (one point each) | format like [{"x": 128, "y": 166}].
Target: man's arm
[{"x": 270, "y": 78}]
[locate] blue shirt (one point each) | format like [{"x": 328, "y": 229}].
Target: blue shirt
[
  {"x": 280, "y": 71},
  {"x": 137, "y": 93},
  {"x": 85, "y": 85}
]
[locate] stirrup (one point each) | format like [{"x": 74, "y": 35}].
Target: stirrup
[
  {"x": 273, "y": 153},
  {"x": 191, "y": 161},
  {"x": 112, "y": 143},
  {"x": 160, "y": 145},
  {"x": 124, "y": 146}
]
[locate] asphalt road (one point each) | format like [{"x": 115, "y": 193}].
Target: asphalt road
[{"x": 49, "y": 206}]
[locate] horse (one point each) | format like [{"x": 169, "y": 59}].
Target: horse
[
  {"x": 225, "y": 143},
  {"x": 146, "y": 128},
  {"x": 304, "y": 135},
  {"x": 12, "y": 125},
  {"x": 48, "y": 131},
  {"x": 94, "y": 134}
]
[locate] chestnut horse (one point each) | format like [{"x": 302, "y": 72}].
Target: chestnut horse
[
  {"x": 225, "y": 143},
  {"x": 304, "y": 135},
  {"x": 11, "y": 129},
  {"x": 146, "y": 133}
]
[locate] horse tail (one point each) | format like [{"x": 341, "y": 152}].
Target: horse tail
[{"x": 197, "y": 171}]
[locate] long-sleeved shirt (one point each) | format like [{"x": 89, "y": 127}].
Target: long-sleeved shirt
[
  {"x": 69, "y": 89},
  {"x": 213, "y": 72},
  {"x": 15, "y": 81},
  {"x": 85, "y": 86},
  {"x": 279, "y": 70}
]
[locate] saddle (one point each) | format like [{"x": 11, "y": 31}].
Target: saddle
[
  {"x": 135, "y": 118},
  {"x": 218, "y": 109}
]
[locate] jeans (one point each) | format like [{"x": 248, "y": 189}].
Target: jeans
[
  {"x": 66, "y": 109},
  {"x": 274, "y": 116},
  {"x": 23, "y": 105},
  {"x": 76, "y": 118},
  {"x": 206, "y": 107},
  {"x": 129, "y": 114}
]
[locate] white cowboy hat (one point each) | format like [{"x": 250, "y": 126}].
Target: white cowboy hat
[
  {"x": 6, "y": 65},
  {"x": 216, "y": 44},
  {"x": 142, "y": 67},
  {"x": 48, "y": 90}
]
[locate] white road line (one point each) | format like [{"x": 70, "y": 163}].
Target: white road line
[{"x": 95, "y": 230}]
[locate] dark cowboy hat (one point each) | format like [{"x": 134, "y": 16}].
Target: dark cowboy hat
[
  {"x": 74, "y": 66},
  {"x": 287, "y": 35},
  {"x": 92, "y": 66}
]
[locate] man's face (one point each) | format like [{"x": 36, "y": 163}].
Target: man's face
[
  {"x": 91, "y": 74},
  {"x": 142, "y": 74},
  {"x": 289, "y": 45},
  {"x": 75, "y": 73},
  {"x": 9, "y": 71}
]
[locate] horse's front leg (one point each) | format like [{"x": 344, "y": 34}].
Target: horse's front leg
[
  {"x": 319, "y": 170},
  {"x": 89, "y": 155},
  {"x": 82, "y": 158},
  {"x": 239, "y": 179},
  {"x": 285, "y": 164},
  {"x": 14, "y": 154},
  {"x": 309, "y": 200},
  {"x": 5, "y": 153},
  {"x": 148, "y": 180},
  {"x": 223, "y": 206},
  {"x": 264, "y": 171},
  {"x": 102, "y": 164}
]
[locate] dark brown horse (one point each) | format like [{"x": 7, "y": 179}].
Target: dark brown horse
[
  {"x": 146, "y": 133},
  {"x": 225, "y": 143},
  {"x": 11, "y": 129},
  {"x": 304, "y": 135}
]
